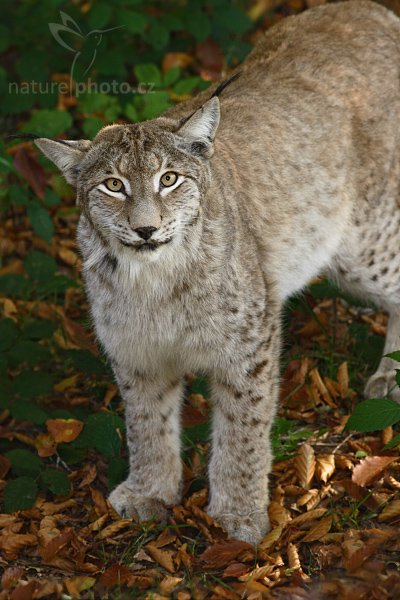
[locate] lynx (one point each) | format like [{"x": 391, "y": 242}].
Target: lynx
[{"x": 196, "y": 226}]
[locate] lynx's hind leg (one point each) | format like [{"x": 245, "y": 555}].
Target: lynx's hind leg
[
  {"x": 369, "y": 267},
  {"x": 382, "y": 382}
]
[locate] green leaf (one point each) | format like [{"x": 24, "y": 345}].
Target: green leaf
[
  {"x": 4, "y": 38},
  {"x": 20, "y": 494},
  {"x": 99, "y": 15},
  {"x": 148, "y": 73},
  {"x": 40, "y": 266},
  {"x": 6, "y": 391},
  {"x": 131, "y": 112},
  {"x": 41, "y": 221},
  {"x": 85, "y": 361},
  {"x": 57, "y": 285},
  {"x": 186, "y": 86},
  {"x": 24, "y": 462},
  {"x": 91, "y": 126},
  {"x": 172, "y": 23},
  {"x": 374, "y": 415},
  {"x": 101, "y": 432},
  {"x": 56, "y": 481},
  {"x": 97, "y": 102},
  {"x": 48, "y": 123},
  {"x": 154, "y": 104},
  {"x": 22, "y": 410},
  {"x": 233, "y": 19},
  {"x": 8, "y": 334},
  {"x": 3, "y": 366},
  {"x": 394, "y": 355},
  {"x": 158, "y": 35},
  {"x": 198, "y": 24},
  {"x": 398, "y": 377},
  {"x": 30, "y": 384},
  {"x": 32, "y": 66},
  {"x": 171, "y": 76},
  {"x": 393, "y": 443},
  {"x": 51, "y": 198},
  {"x": 197, "y": 433},
  {"x": 14, "y": 285},
  {"x": 200, "y": 386},
  {"x": 117, "y": 471},
  {"x": 29, "y": 352},
  {"x": 71, "y": 455},
  {"x": 132, "y": 21},
  {"x": 38, "y": 329},
  {"x": 18, "y": 195}
]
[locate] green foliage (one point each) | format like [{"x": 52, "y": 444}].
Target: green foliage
[
  {"x": 285, "y": 437},
  {"x": 374, "y": 415},
  {"x": 24, "y": 462},
  {"x": 48, "y": 123},
  {"x": 41, "y": 221},
  {"x": 20, "y": 494},
  {"x": 378, "y": 413},
  {"x": 126, "y": 80},
  {"x": 102, "y": 432},
  {"x": 56, "y": 482}
]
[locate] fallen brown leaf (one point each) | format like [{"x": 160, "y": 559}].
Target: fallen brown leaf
[
  {"x": 10, "y": 577},
  {"x": 49, "y": 551},
  {"x": 163, "y": 557},
  {"x": 318, "y": 530},
  {"x": 45, "y": 445},
  {"x": 325, "y": 467},
  {"x": 235, "y": 570},
  {"x": 304, "y": 464},
  {"x": 220, "y": 554},
  {"x": 12, "y": 543},
  {"x": 79, "y": 584},
  {"x": 278, "y": 514},
  {"x": 31, "y": 171},
  {"x": 169, "y": 583},
  {"x": 64, "y": 430},
  {"x": 370, "y": 469},
  {"x": 115, "y": 575},
  {"x": 391, "y": 511}
]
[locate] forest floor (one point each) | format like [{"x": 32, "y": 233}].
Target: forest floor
[{"x": 335, "y": 493}]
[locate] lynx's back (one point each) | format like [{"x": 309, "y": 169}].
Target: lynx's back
[{"x": 311, "y": 79}]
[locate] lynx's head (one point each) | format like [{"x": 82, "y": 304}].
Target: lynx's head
[{"x": 140, "y": 186}]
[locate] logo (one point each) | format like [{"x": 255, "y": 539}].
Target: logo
[{"x": 85, "y": 56}]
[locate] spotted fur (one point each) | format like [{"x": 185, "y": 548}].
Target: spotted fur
[{"x": 296, "y": 173}]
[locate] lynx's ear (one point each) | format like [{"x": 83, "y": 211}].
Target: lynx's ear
[
  {"x": 65, "y": 154},
  {"x": 200, "y": 128}
]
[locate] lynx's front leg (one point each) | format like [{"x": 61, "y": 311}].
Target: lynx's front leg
[
  {"x": 244, "y": 408},
  {"x": 152, "y": 427}
]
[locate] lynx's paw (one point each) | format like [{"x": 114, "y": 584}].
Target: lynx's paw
[
  {"x": 129, "y": 504},
  {"x": 382, "y": 384},
  {"x": 247, "y": 528}
]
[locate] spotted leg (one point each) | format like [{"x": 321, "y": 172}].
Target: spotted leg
[
  {"x": 152, "y": 423},
  {"x": 244, "y": 408}
]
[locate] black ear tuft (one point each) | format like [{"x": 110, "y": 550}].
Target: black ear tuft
[
  {"x": 22, "y": 136},
  {"x": 225, "y": 83}
]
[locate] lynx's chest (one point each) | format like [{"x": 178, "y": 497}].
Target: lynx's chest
[{"x": 140, "y": 323}]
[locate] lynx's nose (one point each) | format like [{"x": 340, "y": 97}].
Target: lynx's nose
[{"x": 145, "y": 232}]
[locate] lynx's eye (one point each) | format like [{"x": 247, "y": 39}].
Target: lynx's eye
[
  {"x": 114, "y": 185},
  {"x": 169, "y": 179}
]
